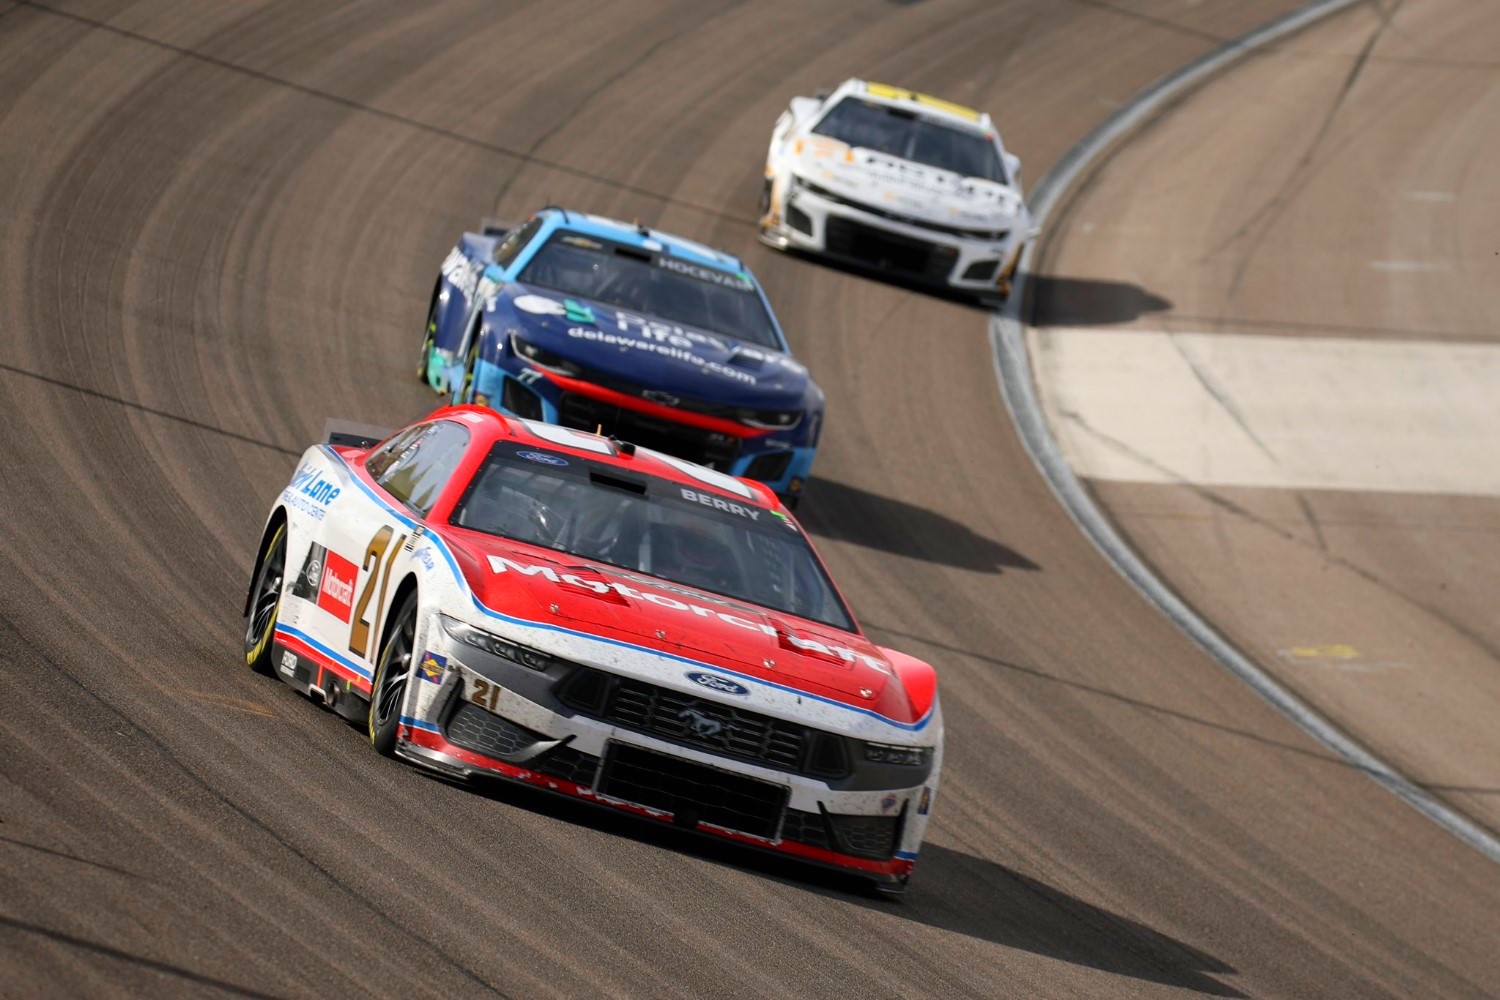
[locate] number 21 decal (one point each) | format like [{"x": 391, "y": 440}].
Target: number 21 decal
[{"x": 378, "y": 565}]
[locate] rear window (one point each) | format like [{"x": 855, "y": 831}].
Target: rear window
[{"x": 696, "y": 538}]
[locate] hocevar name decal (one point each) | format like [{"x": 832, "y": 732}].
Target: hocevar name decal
[{"x": 500, "y": 564}]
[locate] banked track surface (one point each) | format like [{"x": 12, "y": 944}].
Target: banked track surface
[{"x": 221, "y": 223}]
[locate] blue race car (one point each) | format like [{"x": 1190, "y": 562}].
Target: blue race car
[{"x": 619, "y": 329}]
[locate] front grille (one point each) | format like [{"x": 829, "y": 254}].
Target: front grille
[
  {"x": 709, "y": 725},
  {"x": 805, "y": 828},
  {"x": 569, "y": 764},
  {"x": 769, "y": 466},
  {"x": 910, "y": 220},
  {"x": 710, "y": 448},
  {"x": 798, "y": 220},
  {"x": 472, "y": 728},
  {"x": 981, "y": 270},
  {"x": 890, "y": 251},
  {"x": 520, "y": 400},
  {"x": 693, "y": 793},
  {"x": 866, "y": 836},
  {"x": 475, "y": 729}
]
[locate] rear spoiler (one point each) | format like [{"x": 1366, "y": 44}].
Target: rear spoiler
[{"x": 349, "y": 434}]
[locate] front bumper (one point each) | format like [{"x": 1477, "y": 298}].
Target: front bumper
[
  {"x": 513, "y": 387},
  {"x": 471, "y": 725},
  {"x": 808, "y": 221}
]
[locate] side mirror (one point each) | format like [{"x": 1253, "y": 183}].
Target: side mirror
[
  {"x": 1012, "y": 165},
  {"x": 802, "y": 107}
]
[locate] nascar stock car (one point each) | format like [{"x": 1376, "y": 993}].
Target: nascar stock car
[
  {"x": 600, "y": 325},
  {"x": 501, "y": 597},
  {"x": 897, "y": 181}
]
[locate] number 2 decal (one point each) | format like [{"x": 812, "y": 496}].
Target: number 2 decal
[{"x": 360, "y": 630}]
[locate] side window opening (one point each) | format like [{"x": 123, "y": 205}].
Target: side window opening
[
  {"x": 415, "y": 467},
  {"x": 383, "y": 457},
  {"x": 515, "y": 241}
]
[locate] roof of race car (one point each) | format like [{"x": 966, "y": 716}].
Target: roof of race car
[
  {"x": 492, "y": 426},
  {"x": 635, "y": 235},
  {"x": 936, "y": 106}
]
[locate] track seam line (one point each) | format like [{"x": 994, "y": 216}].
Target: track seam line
[
  {"x": 1014, "y": 373},
  {"x": 498, "y": 149}
]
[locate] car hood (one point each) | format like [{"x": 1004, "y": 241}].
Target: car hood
[
  {"x": 554, "y": 589},
  {"x": 925, "y": 193},
  {"x": 643, "y": 350}
]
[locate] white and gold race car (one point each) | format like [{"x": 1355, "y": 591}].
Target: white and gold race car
[{"x": 898, "y": 182}]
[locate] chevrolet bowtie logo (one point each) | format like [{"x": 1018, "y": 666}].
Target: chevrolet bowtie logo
[{"x": 657, "y": 396}]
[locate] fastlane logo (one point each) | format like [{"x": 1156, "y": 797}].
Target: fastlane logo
[
  {"x": 310, "y": 492},
  {"x": 499, "y": 564},
  {"x": 336, "y": 589}
]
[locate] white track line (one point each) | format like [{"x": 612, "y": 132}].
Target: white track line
[{"x": 1013, "y": 368}]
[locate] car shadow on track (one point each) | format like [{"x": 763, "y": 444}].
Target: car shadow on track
[
  {"x": 966, "y": 299},
  {"x": 960, "y": 892},
  {"x": 1059, "y": 301},
  {"x": 952, "y": 891},
  {"x": 850, "y": 514},
  {"x": 1054, "y": 301}
]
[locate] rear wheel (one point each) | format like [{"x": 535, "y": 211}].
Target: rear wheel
[
  {"x": 388, "y": 691},
  {"x": 265, "y": 599}
]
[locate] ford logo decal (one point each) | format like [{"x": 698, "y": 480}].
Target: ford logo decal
[
  {"x": 716, "y": 683},
  {"x": 542, "y": 458}
]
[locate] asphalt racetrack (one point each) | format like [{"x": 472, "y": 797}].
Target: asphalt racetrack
[{"x": 221, "y": 223}]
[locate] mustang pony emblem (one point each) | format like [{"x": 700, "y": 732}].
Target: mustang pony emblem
[{"x": 700, "y": 724}]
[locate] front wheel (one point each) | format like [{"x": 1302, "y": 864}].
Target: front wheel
[
  {"x": 264, "y": 601},
  {"x": 429, "y": 337},
  {"x": 388, "y": 691},
  {"x": 463, "y": 392}
]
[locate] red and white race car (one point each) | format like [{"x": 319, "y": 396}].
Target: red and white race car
[{"x": 501, "y": 597}]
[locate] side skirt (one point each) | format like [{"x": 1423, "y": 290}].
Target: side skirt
[{"x": 334, "y": 690}]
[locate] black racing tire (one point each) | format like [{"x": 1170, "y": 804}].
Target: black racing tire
[
  {"x": 429, "y": 337},
  {"x": 392, "y": 674},
  {"x": 265, "y": 603},
  {"x": 464, "y": 393}
]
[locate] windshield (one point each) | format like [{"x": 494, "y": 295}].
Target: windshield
[
  {"x": 650, "y": 526},
  {"x": 659, "y": 284},
  {"x": 902, "y": 133}
]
